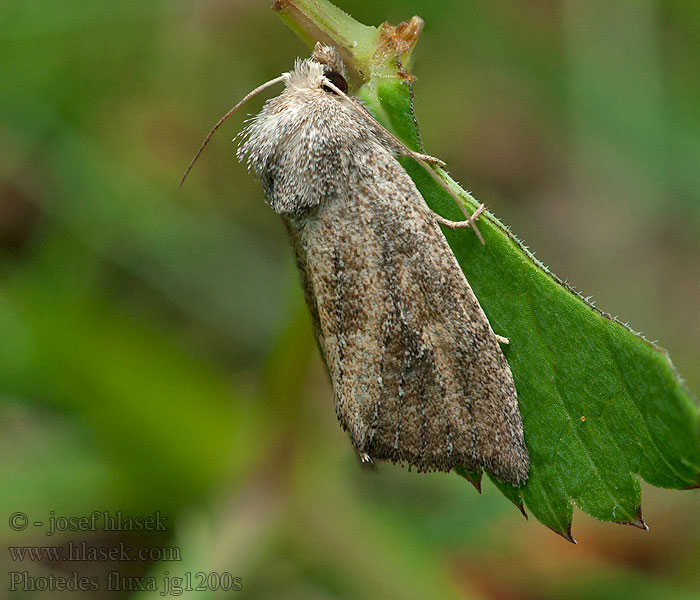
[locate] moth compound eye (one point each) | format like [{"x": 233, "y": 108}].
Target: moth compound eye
[{"x": 337, "y": 80}]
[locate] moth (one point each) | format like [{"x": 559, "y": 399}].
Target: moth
[{"x": 418, "y": 375}]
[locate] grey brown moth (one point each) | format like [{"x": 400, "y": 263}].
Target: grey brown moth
[{"x": 418, "y": 374}]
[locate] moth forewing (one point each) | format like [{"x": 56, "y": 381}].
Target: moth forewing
[{"x": 418, "y": 375}]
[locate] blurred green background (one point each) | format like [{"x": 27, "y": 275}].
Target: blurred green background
[{"x": 155, "y": 353}]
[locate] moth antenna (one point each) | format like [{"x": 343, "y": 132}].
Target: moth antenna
[
  {"x": 223, "y": 119},
  {"x": 419, "y": 158}
]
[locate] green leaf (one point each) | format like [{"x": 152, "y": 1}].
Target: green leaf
[{"x": 601, "y": 406}]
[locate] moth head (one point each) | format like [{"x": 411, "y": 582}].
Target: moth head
[
  {"x": 325, "y": 71},
  {"x": 324, "y": 66},
  {"x": 333, "y": 66},
  {"x": 328, "y": 56}
]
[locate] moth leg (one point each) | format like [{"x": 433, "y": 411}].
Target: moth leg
[
  {"x": 461, "y": 224},
  {"x": 400, "y": 148},
  {"x": 431, "y": 160},
  {"x": 502, "y": 340}
]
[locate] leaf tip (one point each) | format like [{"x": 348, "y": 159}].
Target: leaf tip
[
  {"x": 521, "y": 507},
  {"x": 476, "y": 482},
  {"x": 473, "y": 477},
  {"x": 639, "y": 522},
  {"x": 694, "y": 486},
  {"x": 565, "y": 534}
]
